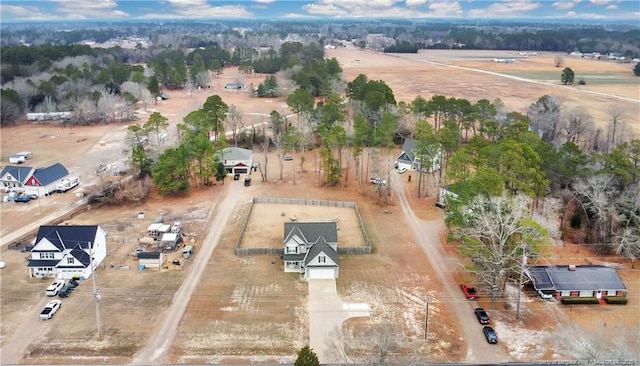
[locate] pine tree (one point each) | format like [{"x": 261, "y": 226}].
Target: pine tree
[{"x": 306, "y": 357}]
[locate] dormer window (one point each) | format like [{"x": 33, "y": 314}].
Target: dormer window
[
  {"x": 322, "y": 259},
  {"x": 70, "y": 260}
]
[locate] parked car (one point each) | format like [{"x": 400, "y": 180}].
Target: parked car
[
  {"x": 33, "y": 196},
  {"x": 73, "y": 283},
  {"x": 469, "y": 291},
  {"x": 22, "y": 198},
  {"x": 288, "y": 158},
  {"x": 378, "y": 181},
  {"x": 55, "y": 287},
  {"x": 402, "y": 170},
  {"x": 490, "y": 334},
  {"x": 66, "y": 291},
  {"x": 482, "y": 316},
  {"x": 247, "y": 182},
  {"x": 50, "y": 309}
]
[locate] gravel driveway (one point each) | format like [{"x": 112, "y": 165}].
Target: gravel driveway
[{"x": 327, "y": 312}]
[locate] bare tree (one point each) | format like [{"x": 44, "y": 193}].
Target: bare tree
[
  {"x": 616, "y": 124},
  {"x": 579, "y": 123},
  {"x": 234, "y": 122},
  {"x": 558, "y": 61},
  {"x": 597, "y": 194},
  {"x": 495, "y": 233},
  {"x": 545, "y": 117}
]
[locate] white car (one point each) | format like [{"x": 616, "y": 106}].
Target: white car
[
  {"x": 378, "y": 181},
  {"x": 50, "y": 309},
  {"x": 545, "y": 295},
  {"x": 402, "y": 169},
  {"x": 53, "y": 288}
]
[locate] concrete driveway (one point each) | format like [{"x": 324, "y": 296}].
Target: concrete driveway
[{"x": 327, "y": 312}]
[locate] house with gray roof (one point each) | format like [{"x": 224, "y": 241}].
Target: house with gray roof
[
  {"x": 13, "y": 178},
  {"x": 44, "y": 181},
  {"x": 236, "y": 160},
  {"x": 410, "y": 157},
  {"x": 67, "y": 251},
  {"x": 311, "y": 249},
  {"x": 577, "y": 281}
]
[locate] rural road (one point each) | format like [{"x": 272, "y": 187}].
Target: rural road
[
  {"x": 427, "y": 235},
  {"x": 156, "y": 349}
]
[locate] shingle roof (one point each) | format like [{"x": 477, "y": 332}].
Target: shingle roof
[
  {"x": 321, "y": 246},
  {"x": 583, "y": 278},
  {"x": 236, "y": 153},
  {"x": 50, "y": 174},
  {"x": 68, "y": 236},
  {"x": 407, "y": 147},
  {"x": 20, "y": 173},
  {"x": 314, "y": 230},
  {"x": 43, "y": 263}
]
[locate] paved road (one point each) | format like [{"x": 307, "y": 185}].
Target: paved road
[
  {"x": 327, "y": 312},
  {"x": 427, "y": 235},
  {"x": 156, "y": 349}
]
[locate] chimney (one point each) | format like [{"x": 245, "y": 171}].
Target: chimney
[{"x": 572, "y": 267}]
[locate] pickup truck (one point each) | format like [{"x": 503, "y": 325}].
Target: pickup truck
[
  {"x": 469, "y": 291},
  {"x": 50, "y": 309}
]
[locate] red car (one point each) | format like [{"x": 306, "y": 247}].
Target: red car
[{"x": 469, "y": 291}]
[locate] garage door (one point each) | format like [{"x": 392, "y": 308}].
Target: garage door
[
  {"x": 321, "y": 273},
  {"x": 241, "y": 170}
]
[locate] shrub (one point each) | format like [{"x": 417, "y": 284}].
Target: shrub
[
  {"x": 580, "y": 300},
  {"x": 582, "y": 82},
  {"x": 617, "y": 300}
]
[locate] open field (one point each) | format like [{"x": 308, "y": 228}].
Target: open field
[
  {"x": 246, "y": 309},
  {"x": 472, "y": 74}
]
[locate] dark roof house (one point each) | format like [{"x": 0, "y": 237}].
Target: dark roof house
[
  {"x": 588, "y": 280},
  {"x": 310, "y": 248},
  {"x": 48, "y": 175}
]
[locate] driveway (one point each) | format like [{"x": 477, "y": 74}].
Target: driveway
[
  {"x": 327, "y": 312},
  {"x": 428, "y": 238}
]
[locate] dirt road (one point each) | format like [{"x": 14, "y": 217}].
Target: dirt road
[
  {"x": 156, "y": 350},
  {"x": 427, "y": 235}
]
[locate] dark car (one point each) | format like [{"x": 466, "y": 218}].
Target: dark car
[
  {"x": 66, "y": 290},
  {"x": 247, "y": 182},
  {"x": 469, "y": 291},
  {"x": 23, "y": 198},
  {"x": 73, "y": 283},
  {"x": 236, "y": 176},
  {"x": 482, "y": 316},
  {"x": 490, "y": 335}
]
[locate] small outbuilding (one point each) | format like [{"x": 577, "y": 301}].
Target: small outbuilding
[{"x": 151, "y": 259}]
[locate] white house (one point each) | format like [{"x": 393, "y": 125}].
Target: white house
[
  {"x": 44, "y": 181},
  {"x": 409, "y": 157},
  {"x": 236, "y": 160},
  {"x": 13, "y": 178},
  {"x": 310, "y": 248},
  {"x": 67, "y": 251}
]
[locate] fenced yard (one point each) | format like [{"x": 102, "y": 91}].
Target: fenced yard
[{"x": 263, "y": 228}]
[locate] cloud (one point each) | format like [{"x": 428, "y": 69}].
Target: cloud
[
  {"x": 15, "y": 12},
  {"x": 412, "y": 3},
  {"x": 201, "y": 9},
  {"x": 572, "y": 14},
  {"x": 612, "y": 7},
  {"x": 561, "y": 5},
  {"x": 264, "y": 1},
  {"x": 82, "y": 9},
  {"x": 324, "y": 10},
  {"x": 600, "y": 2},
  {"x": 446, "y": 9},
  {"x": 505, "y": 9}
]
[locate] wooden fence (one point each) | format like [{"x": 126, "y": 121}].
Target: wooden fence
[{"x": 296, "y": 201}]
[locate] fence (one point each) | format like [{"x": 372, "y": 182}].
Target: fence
[{"x": 296, "y": 201}]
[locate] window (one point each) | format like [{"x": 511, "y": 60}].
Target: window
[
  {"x": 292, "y": 249},
  {"x": 46, "y": 255},
  {"x": 70, "y": 260},
  {"x": 322, "y": 259}
]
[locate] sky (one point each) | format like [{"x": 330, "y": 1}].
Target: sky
[{"x": 64, "y": 10}]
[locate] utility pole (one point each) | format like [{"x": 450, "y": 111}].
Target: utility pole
[
  {"x": 524, "y": 263},
  {"x": 426, "y": 321},
  {"x": 96, "y": 296}
]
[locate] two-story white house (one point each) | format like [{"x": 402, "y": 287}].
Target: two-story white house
[
  {"x": 236, "y": 160},
  {"x": 410, "y": 157},
  {"x": 67, "y": 251},
  {"x": 311, "y": 249}
]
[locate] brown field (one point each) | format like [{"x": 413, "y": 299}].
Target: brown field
[
  {"x": 246, "y": 309},
  {"x": 473, "y": 75}
]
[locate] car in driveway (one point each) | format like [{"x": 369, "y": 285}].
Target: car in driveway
[
  {"x": 490, "y": 334},
  {"x": 482, "y": 316},
  {"x": 66, "y": 290},
  {"x": 469, "y": 291},
  {"x": 55, "y": 287},
  {"x": 50, "y": 309},
  {"x": 402, "y": 170},
  {"x": 287, "y": 158},
  {"x": 378, "y": 181},
  {"x": 23, "y": 198}
]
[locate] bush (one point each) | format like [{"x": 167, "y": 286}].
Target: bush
[
  {"x": 580, "y": 300},
  {"x": 582, "y": 82},
  {"x": 617, "y": 300}
]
